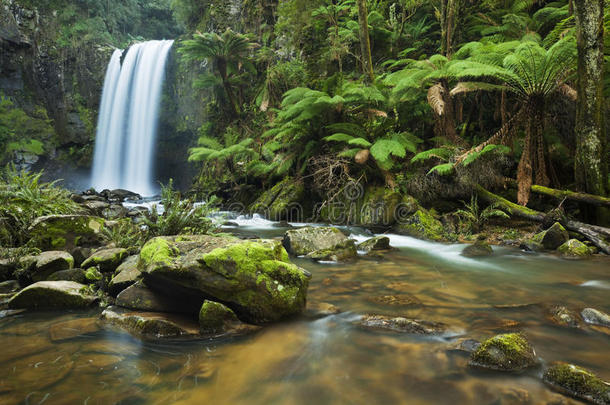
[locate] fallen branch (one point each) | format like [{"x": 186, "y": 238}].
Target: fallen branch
[
  {"x": 592, "y": 232},
  {"x": 592, "y": 199}
]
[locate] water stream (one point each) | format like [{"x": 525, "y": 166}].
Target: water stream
[
  {"x": 330, "y": 360},
  {"x": 128, "y": 118}
]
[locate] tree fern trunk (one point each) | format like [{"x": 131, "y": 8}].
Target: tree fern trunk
[
  {"x": 590, "y": 168},
  {"x": 365, "y": 41}
]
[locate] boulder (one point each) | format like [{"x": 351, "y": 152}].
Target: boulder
[
  {"x": 281, "y": 202},
  {"x": 96, "y": 207},
  {"x": 594, "y": 317},
  {"x": 574, "y": 249},
  {"x": 115, "y": 211},
  {"x": 508, "y": 352},
  {"x": 480, "y": 248},
  {"x": 402, "y": 325},
  {"x": 150, "y": 324},
  {"x": 254, "y": 278},
  {"x": 66, "y": 232},
  {"x": 40, "y": 267},
  {"x": 550, "y": 239},
  {"x": 421, "y": 225},
  {"x": 376, "y": 243},
  {"x": 577, "y": 382},
  {"x": 140, "y": 297},
  {"x": 215, "y": 317},
  {"x": 126, "y": 274},
  {"x": 76, "y": 275},
  {"x": 319, "y": 243},
  {"x": 120, "y": 195},
  {"x": 53, "y": 295},
  {"x": 107, "y": 260}
]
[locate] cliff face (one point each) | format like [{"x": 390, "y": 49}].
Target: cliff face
[{"x": 46, "y": 83}]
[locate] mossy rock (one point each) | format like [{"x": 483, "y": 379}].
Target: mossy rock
[
  {"x": 574, "y": 249},
  {"x": 150, "y": 324},
  {"x": 577, "y": 382},
  {"x": 215, "y": 317},
  {"x": 66, "y": 232},
  {"x": 107, "y": 260},
  {"x": 282, "y": 201},
  {"x": 254, "y": 278},
  {"x": 401, "y": 325},
  {"x": 46, "y": 295},
  {"x": 375, "y": 243},
  {"x": 40, "y": 267},
  {"x": 343, "y": 252},
  {"x": 141, "y": 298},
  {"x": 303, "y": 241},
  {"x": 478, "y": 249},
  {"x": 76, "y": 275},
  {"x": 550, "y": 239},
  {"x": 422, "y": 225},
  {"x": 508, "y": 352}
]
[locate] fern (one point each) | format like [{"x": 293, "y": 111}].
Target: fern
[
  {"x": 383, "y": 149},
  {"x": 473, "y": 156},
  {"x": 443, "y": 170},
  {"x": 443, "y": 154}
]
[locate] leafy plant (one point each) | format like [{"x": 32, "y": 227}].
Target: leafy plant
[
  {"x": 23, "y": 198},
  {"x": 179, "y": 216},
  {"x": 474, "y": 218},
  {"x": 125, "y": 234}
]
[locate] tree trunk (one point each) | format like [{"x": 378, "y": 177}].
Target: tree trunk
[
  {"x": 590, "y": 170},
  {"x": 365, "y": 41},
  {"x": 222, "y": 71},
  {"x": 449, "y": 14}
]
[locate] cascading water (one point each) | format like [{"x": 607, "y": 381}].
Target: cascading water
[{"x": 128, "y": 118}]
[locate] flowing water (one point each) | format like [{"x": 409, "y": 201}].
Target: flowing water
[
  {"x": 128, "y": 118},
  {"x": 330, "y": 360}
]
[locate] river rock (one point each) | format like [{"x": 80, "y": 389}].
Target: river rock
[
  {"x": 562, "y": 316},
  {"x": 52, "y": 295},
  {"x": 66, "y": 232},
  {"x": 126, "y": 274},
  {"x": 577, "y": 382},
  {"x": 281, "y": 202},
  {"x": 96, "y": 207},
  {"x": 402, "y": 325},
  {"x": 120, "y": 195},
  {"x": 107, "y": 260},
  {"x": 422, "y": 225},
  {"x": 376, "y": 243},
  {"x": 215, "y": 317},
  {"x": 507, "y": 352},
  {"x": 595, "y": 317},
  {"x": 150, "y": 324},
  {"x": 321, "y": 309},
  {"x": 480, "y": 248},
  {"x": 141, "y": 298},
  {"x": 76, "y": 275},
  {"x": 254, "y": 278},
  {"x": 550, "y": 239},
  {"x": 319, "y": 243},
  {"x": 574, "y": 249},
  {"x": 115, "y": 211},
  {"x": 40, "y": 267}
]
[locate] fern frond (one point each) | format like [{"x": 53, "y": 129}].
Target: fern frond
[{"x": 443, "y": 170}]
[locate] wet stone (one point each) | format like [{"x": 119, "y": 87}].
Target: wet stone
[
  {"x": 402, "y": 325},
  {"x": 594, "y": 317},
  {"x": 562, "y": 316},
  {"x": 577, "y": 382},
  {"x": 507, "y": 352}
]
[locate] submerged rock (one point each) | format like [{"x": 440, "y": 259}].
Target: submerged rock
[
  {"x": 595, "y": 317},
  {"x": 321, "y": 309},
  {"x": 376, "y": 243},
  {"x": 575, "y": 249},
  {"x": 422, "y": 225},
  {"x": 106, "y": 259},
  {"x": 316, "y": 241},
  {"x": 577, "y": 382},
  {"x": 404, "y": 300},
  {"x": 71, "y": 329},
  {"x": 53, "y": 295},
  {"x": 254, "y": 278},
  {"x": 478, "y": 249},
  {"x": 508, "y": 352},
  {"x": 40, "y": 267},
  {"x": 562, "y": 316},
  {"x": 403, "y": 325},
  {"x": 66, "y": 232}
]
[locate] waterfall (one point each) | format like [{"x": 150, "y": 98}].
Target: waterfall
[{"x": 128, "y": 118}]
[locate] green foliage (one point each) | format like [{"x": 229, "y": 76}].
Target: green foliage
[
  {"x": 474, "y": 218},
  {"x": 125, "y": 234},
  {"x": 23, "y": 198},
  {"x": 180, "y": 216}
]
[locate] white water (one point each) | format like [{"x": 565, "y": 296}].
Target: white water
[{"x": 128, "y": 118}]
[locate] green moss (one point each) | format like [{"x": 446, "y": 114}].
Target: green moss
[
  {"x": 508, "y": 352},
  {"x": 66, "y": 231},
  {"x": 214, "y": 316},
  {"x": 574, "y": 248},
  {"x": 40, "y": 296},
  {"x": 577, "y": 382},
  {"x": 422, "y": 225},
  {"x": 157, "y": 250},
  {"x": 93, "y": 274}
]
